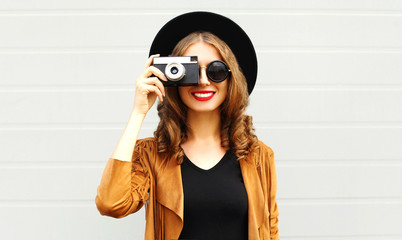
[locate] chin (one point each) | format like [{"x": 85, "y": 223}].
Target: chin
[{"x": 204, "y": 110}]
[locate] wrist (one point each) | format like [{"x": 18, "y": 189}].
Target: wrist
[{"x": 137, "y": 115}]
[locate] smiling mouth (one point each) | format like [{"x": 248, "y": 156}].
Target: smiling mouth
[{"x": 203, "y": 96}]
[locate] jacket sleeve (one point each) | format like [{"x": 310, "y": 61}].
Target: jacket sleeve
[{"x": 125, "y": 185}]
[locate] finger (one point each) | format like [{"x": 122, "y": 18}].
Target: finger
[
  {"x": 150, "y": 60},
  {"x": 151, "y": 70},
  {"x": 155, "y": 81},
  {"x": 154, "y": 89}
]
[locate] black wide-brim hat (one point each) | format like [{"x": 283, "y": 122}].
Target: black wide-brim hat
[{"x": 227, "y": 30}]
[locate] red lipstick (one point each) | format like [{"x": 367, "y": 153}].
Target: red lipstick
[{"x": 203, "y": 95}]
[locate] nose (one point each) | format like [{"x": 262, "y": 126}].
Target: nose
[{"x": 204, "y": 81}]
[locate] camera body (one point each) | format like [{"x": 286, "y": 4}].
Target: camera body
[{"x": 180, "y": 71}]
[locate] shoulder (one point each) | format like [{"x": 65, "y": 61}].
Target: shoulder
[
  {"x": 264, "y": 148},
  {"x": 146, "y": 150},
  {"x": 263, "y": 154},
  {"x": 149, "y": 142}
]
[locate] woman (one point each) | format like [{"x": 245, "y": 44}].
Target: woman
[{"x": 204, "y": 175}]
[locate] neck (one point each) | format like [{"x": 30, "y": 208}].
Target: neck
[{"x": 204, "y": 126}]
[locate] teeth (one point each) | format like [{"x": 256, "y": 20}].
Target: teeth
[{"x": 203, "y": 95}]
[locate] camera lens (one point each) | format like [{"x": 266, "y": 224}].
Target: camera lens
[{"x": 174, "y": 70}]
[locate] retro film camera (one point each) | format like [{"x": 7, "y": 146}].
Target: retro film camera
[{"x": 180, "y": 71}]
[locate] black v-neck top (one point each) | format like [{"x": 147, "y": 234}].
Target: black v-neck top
[{"x": 215, "y": 201}]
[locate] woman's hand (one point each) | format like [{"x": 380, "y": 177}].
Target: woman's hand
[{"x": 148, "y": 87}]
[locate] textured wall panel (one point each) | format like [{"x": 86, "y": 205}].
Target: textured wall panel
[
  {"x": 160, "y": 5},
  {"x": 339, "y": 220},
  {"x": 121, "y": 30},
  {"x": 46, "y": 220},
  {"x": 302, "y": 181},
  {"x": 283, "y": 67},
  {"x": 282, "y": 105},
  {"x": 292, "y": 145}
]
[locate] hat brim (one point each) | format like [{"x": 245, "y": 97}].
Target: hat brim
[{"x": 226, "y": 29}]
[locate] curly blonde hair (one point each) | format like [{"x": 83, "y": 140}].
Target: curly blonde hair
[{"x": 237, "y": 131}]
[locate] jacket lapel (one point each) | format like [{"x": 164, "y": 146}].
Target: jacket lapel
[
  {"x": 169, "y": 188},
  {"x": 255, "y": 197}
]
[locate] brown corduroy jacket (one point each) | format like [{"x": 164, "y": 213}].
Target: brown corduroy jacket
[{"x": 126, "y": 186}]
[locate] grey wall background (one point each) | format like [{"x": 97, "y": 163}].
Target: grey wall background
[{"x": 328, "y": 101}]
